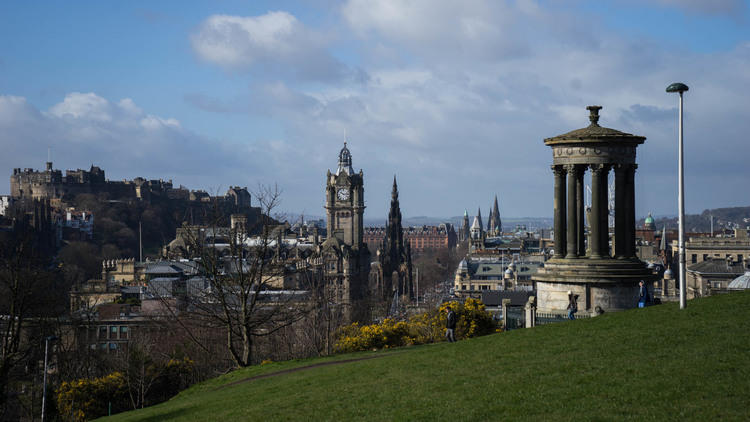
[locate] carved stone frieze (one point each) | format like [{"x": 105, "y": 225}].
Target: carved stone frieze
[{"x": 586, "y": 154}]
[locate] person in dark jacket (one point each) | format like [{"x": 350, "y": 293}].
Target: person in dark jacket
[
  {"x": 572, "y": 305},
  {"x": 643, "y": 296},
  {"x": 450, "y": 325}
]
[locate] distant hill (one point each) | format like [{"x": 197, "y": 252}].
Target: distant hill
[
  {"x": 658, "y": 363},
  {"x": 724, "y": 218}
]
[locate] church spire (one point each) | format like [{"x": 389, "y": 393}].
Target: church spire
[
  {"x": 394, "y": 192},
  {"x": 497, "y": 224}
]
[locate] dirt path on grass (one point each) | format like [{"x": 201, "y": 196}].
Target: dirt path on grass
[{"x": 300, "y": 368}]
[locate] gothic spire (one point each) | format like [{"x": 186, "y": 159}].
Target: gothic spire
[
  {"x": 498, "y": 225},
  {"x": 394, "y": 192},
  {"x": 479, "y": 217}
]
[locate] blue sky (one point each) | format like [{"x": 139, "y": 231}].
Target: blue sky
[{"x": 452, "y": 97}]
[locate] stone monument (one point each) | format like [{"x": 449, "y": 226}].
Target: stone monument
[{"x": 599, "y": 275}]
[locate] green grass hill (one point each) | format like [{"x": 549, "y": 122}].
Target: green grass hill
[{"x": 658, "y": 363}]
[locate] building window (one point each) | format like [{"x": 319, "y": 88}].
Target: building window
[
  {"x": 694, "y": 258},
  {"x": 705, "y": 256},
  {"x": 123, "y": 332},
  {"x": 113, "y": 332},
  {"x": 103, "y": 331},
  {"x": 112, "y": 346}
]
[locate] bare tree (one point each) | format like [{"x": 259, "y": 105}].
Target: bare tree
[
  {"x": 246, "y": 296},
  {"x": 27, "y": 299}
]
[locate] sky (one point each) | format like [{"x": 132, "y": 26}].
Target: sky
[{"x": 454, "y": 98}]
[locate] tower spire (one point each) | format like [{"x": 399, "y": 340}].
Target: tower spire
[
  {"x": 497, "y": 225},
  {"x": 394, "y": 192}
]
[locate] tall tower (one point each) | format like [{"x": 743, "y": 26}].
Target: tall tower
[
  {"x": 344, "y": 255},
  {"x": 345, "y": 202},
  {"x": 497, "y": 225},
  {"x": 395, "y": 257},
  {"x": 465, "y": 227}
]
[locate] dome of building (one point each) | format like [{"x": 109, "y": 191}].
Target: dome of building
[
  {"x": 668, "y": 274},
  {"x": 463, "y": 265},
  {"x": 741, "y": 282},
  {"x": 648, "y": 223}
]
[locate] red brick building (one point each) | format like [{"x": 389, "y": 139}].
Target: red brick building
[{"x": 420, "y": 238}]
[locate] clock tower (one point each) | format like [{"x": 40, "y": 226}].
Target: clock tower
[
  {"x": 345, "y": 203},
  {"x": 344, "y": 256}
]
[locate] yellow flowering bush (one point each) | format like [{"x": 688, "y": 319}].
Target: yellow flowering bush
[
  {"x": 87, "y": 399},
  {"x": 429, "y": 327}
]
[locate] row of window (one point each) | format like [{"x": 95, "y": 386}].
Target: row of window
[
  {"x": 113, "y": 332},
  {"x": 481, "y": 287},
  {"x": 694, "y": 257}
]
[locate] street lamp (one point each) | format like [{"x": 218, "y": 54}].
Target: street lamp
[
  {"x": 680, "y": 88},
  {"x": 44, "y": 384}
]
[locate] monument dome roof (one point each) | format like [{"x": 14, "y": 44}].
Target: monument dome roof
[{"x": 594, "y": 132}]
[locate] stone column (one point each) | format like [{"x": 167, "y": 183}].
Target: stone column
[
  {"x": 572, "y": 231},
  {"x": 530, "y": 309},
  {"x": 604, "y": 233},
  {"x": 597, "y": 202},
  {"x": 560, "y": 228},
  {"x": 621, "y": 238},
  {"x": 505, "y": 305},
  {"x": 580, "y": 213},
  {"x": 630, "y": 210}
]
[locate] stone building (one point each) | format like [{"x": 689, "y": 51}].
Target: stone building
[
  {"x": 476, "y": 274},
  {"x": 712, "y": 274},
  {"x": 52, "y": 185},
  {"x": 393, "y": 272},
  {"x": 599, "y": 276},
  {"x": 698, "y": 249},
  {"x": 344, "y": 254},
  {"x": 420, "y": 239}
]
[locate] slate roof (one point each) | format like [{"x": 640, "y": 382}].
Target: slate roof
[{"x": 717, "y": 266}]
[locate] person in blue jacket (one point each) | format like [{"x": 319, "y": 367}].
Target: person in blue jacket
[{"x": 643, "y": 296}]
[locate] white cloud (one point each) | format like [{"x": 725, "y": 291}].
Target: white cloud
[
  {"x": 461, "y": 95},
  {"x": 235, "y": 41},
  {"x": 275, "y": 42},
  {"x": 120, "y": 137}
]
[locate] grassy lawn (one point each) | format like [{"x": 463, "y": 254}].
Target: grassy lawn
[{"x": 657, "y": 363}]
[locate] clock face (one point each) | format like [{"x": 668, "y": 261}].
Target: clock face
[{"x": 343, "y": 194}]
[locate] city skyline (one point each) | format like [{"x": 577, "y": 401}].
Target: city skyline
[{"x": 454, "y": 99}]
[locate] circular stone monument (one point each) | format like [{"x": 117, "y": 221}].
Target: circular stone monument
[{"x": 599, "y": 275}]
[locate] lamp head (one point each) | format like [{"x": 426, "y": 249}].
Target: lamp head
[{"x": 677, "y": 87}]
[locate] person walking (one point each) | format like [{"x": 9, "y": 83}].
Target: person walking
[
  {"x": 643, "y": 296},
  {"x": 450, "y": 325},
  {"x": 572, "y": 305}
]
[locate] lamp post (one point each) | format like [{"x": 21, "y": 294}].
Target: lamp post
[
  {"x": 680, "y": 87},
  {"x": 44, "y": 383}
]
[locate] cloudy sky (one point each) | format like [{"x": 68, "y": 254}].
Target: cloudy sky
[{"x": 454, "y": 97}]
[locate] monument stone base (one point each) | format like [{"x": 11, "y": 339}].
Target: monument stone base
[{"x": 611, "y": 284}]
